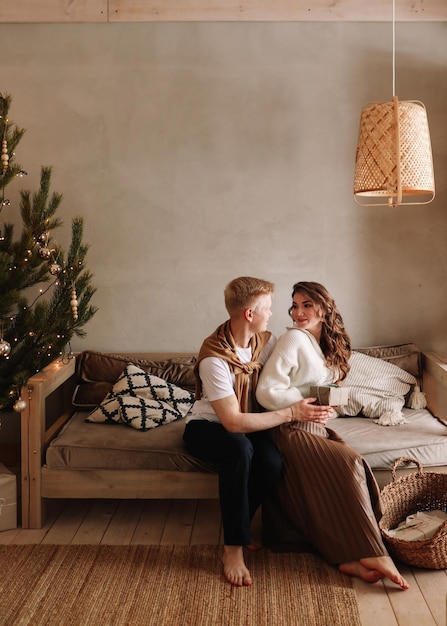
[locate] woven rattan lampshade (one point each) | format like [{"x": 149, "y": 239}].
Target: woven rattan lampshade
[{"x": 394, "y": 157}]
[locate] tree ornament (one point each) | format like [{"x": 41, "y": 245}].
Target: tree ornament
[
  {"x": 43, "y": 237},
  {"x": 20, "y": 405},
  {"x": 45, "y": 253},
  {"x": 74, "y": 304},
  {"x": 55, "y": 269},
  {"x": 5, "y": 347},
  {"x": 4, "y": 157}
]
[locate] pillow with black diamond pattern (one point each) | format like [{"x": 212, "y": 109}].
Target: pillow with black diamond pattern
[{"x": 142, "y": 401}]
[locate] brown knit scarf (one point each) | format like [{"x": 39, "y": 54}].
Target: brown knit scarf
[{"x": 221, "y": 344}]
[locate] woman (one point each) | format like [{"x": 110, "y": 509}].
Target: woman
[
  {"x": 226, "y": 425},
  {"x": 327, "y": 490}
]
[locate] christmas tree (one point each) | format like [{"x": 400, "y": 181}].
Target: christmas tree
[{"x": 44, "y": 293}]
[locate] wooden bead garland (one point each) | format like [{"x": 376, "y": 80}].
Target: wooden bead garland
[
  {"x": 4, "y": 157},
  {"x": 74, "y": 304}
]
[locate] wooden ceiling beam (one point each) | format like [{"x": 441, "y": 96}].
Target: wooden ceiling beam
[
  {"x": 277, "y": 10},
  {"x": 78, "y": 11},
  {"x": 53, "y": 11}
]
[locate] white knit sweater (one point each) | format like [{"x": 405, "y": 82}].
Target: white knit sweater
[{"x": 295, "y": 364}]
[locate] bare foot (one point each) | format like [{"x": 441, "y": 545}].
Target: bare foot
[
  {"x": 374, "y": 568},
  {"x": 254, "y": 546},
  {"x": 234, "y": 566},
  {"x": 354, "y": 568},
  {"x": 386, "y": 565}
]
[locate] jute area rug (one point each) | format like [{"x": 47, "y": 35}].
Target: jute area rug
[{"x": 167, "y": 586}]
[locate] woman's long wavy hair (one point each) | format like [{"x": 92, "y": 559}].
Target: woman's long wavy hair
[{"x": 335, "y": 342}]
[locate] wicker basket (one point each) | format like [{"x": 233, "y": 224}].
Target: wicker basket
[{"x": 419, "y": 491}]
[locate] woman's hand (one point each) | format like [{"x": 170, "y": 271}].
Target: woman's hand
[{"x": 306, "y": 411}]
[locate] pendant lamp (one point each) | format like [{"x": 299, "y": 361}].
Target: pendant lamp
[{"x": 394, "y": 163}]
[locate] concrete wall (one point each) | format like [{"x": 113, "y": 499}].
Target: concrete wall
[{"x": 200, "y": 152}]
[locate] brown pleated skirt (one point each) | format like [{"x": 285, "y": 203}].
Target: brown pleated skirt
[{"x": 327, "y": 493}]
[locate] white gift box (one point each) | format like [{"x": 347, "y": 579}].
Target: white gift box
[
  {"x": 420, "y": 526},
  {"x": 8, "y": 499}
]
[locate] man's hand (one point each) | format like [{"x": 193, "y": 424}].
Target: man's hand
[{"x": 306, "y": 411}]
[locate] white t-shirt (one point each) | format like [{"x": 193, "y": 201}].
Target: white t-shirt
[{"x": 218, "y": 381}]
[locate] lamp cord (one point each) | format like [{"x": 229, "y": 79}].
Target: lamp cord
[{"x": 394, "y": 48}]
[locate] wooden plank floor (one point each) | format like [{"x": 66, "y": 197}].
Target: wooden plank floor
[{"x": 188, "y": 522}]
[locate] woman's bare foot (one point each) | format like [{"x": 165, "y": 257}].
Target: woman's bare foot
[
  {"x": 373, "y": 569},
  {"x": 235, "y": 570},
  {"x": 354, "y": 568}
]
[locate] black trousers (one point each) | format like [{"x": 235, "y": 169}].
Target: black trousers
[{"x": 249, "y": 466}]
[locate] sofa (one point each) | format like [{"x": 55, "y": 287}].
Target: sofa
[{"x": 103, "y": 425}]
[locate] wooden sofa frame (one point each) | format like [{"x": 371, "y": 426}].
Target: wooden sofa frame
[{"x": 49, "y": 395}]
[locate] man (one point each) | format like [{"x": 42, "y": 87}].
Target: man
[{"x": 225, "y": 425}]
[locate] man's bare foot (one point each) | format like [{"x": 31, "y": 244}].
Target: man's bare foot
[
  {"x": 235, "y": 570},
  {"x": 373, "y": 569}
]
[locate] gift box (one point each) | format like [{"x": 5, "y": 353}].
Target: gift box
[
  {"x": 8, "y": 499},
  {"x": 419, "y": 526},
  {"x": 330, "y": 395}
]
